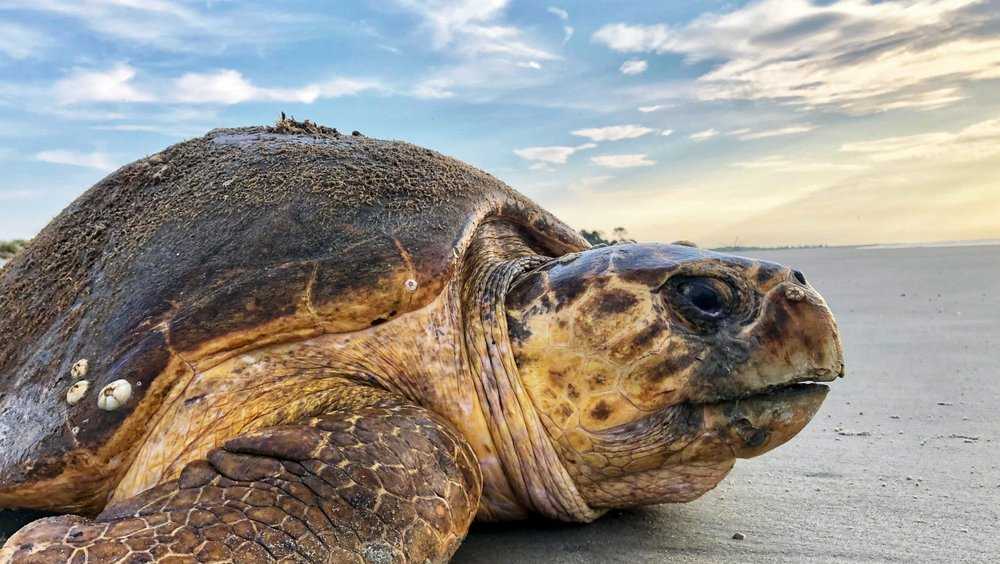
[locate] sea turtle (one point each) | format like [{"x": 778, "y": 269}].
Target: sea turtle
[{"x": 288, "y": 343}]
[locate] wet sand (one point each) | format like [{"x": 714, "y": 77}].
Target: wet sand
[{"x": 901, "y": 464}]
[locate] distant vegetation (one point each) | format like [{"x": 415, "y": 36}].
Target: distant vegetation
[
  {"x": 10, "y": 248},
  {"x": 739, "y": 248},
  {"x": 618, "y": 235}
]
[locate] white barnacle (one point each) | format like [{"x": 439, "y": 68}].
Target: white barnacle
[
  {"x": 79, "y": 369},
  {"x": 795, "y": 294},
  {"x": 76, "y": 392},
  {"x": 411, "y": 285},
  {"x": 114, "y": 395}
]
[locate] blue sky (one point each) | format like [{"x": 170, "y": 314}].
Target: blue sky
[{"x": 774, "y": 122}]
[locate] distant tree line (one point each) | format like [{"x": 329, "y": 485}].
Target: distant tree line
[
  {"x": 740, "y": 248},
  {"x": 10, "y": 248},
  {"x": 597, "y": 237}
]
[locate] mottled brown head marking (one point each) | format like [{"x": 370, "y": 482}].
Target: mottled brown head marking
[{"x": 638, "y": 367}]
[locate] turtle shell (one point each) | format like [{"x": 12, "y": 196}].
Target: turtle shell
[{"x": 241, "y": 237}]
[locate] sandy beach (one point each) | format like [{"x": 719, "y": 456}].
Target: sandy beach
[{"x": 901, "y": 464}]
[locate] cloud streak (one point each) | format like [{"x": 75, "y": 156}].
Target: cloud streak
[
  {"x": 224, "y": 86},
  {"x": 19, "y": 42},
  {"x": 471, "y": 28},
  {"x": 174, "y": 26},
  {"x": 97, "y": 160},
  {"x": 556, "y": 154},
  {"x": 779, "y": 132},
  {"x": 112, "y": 85},
  {"x": 979, "y": 141},
  {"x": 633, "y": 67},
  {"x": 703, "y": 135},
  {"x": 780, "y": 163},
  {"x": 622, "y": 161},
  {"x": 613, "y": 132},
  {"x": 856, "y": 56}
]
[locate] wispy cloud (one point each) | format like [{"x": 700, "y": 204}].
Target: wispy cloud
[
  {"x": 779, "y": 163},
  {"x": 98, "y": 160},
  {"x": 230, "y": 87},
  {"x": 180, "y": 26},
  {"x": 20, "y": 42},
  {"x": 633, "y": 67},
  {"x": 976, "y": 142},
  {"x": 552, "y": 155},
  {"x": 747, "y": 135},
  {"x": 471, "y": 28},
  {"x": 564, "y": 16},
  {"x": 613, "y": 132},
  {"x": 567, "y": 33},
  {"x": 855, "y": 55},
  {"x": 176, "y": 121},
  {"x": 588, "y": 183},
  {"x": 487, "y": 54},
  {"x": 654, "y": 108},
  {"x": 558, "y": 12},
  {"x": 622, "y": 161},
  {"x": 703, "y": 135},
  {"x": 20, "y": 195},
  {"x": 111, "y": 85},
  {"x": 433, "y": 88},
  {"x": 924, "y": 100},
  {"x": 224, "y": 86}
]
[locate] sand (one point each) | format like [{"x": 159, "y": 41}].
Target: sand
[{"x": 902, "y": 463}]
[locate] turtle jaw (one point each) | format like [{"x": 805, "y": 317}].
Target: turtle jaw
[{"x": 759, "y": 422}]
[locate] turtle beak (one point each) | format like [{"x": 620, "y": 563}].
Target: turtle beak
[
  {"x": 762, "y": 422},
  {"x": 776, "y": 391},
  {"x": 795, "y": 339}
]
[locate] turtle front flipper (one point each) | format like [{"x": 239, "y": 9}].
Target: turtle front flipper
[{"x": 390, "y": 482}]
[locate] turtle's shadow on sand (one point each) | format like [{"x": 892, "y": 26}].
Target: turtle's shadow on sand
[{"x": 659, "y": 530}]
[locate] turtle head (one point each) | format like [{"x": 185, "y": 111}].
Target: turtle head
[{"x": 653, "y": 367}]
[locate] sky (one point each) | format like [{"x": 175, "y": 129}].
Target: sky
[{"x": 752, "y": 123}]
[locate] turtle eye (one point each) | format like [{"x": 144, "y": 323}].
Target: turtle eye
[
  {"x": 702, "y": 301},
  {"x": 703, "y": 296}
]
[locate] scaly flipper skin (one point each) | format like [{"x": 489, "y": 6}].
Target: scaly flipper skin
[{"x": 389, "y": 482}]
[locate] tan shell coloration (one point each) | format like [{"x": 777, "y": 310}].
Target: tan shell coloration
[{"x": 216, "y": 246}]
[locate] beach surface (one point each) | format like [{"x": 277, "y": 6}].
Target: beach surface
[{"x": 902, "y": 463}]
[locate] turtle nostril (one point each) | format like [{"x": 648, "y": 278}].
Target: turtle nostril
[{"x": 800, "y": 277}]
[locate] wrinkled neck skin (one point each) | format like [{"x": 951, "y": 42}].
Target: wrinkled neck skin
[
  {"x": 469, "y": 376},
  {"x": 519, "y": 442}
]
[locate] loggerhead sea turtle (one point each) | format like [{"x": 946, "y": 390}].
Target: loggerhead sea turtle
[{"x": 287, "y": 343}]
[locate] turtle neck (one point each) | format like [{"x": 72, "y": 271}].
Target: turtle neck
[{"x": 531, "y": 466}]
